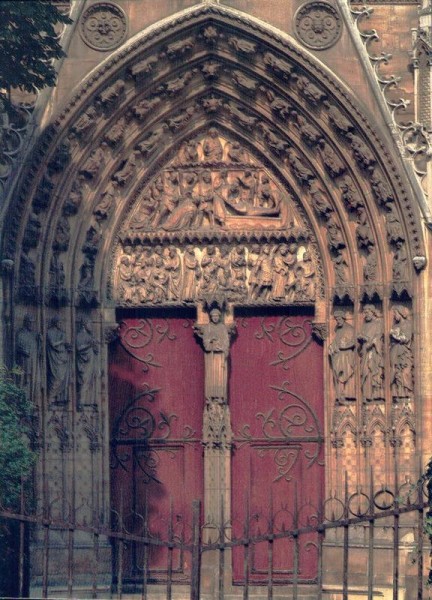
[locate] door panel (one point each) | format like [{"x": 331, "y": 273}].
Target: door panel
[
  {"x": 156, "y": 406},
  {"x": 277, "y": 412}
]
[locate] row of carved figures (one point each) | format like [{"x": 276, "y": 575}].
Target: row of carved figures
[
  {"x": 58, "y": 361},
  {"x": 282, "y": 273},
  {"x": 366, "y": 352},
  {"x": 196, "y": 199}
]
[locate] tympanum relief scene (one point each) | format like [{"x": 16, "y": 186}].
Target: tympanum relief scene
[{"x": 215, "y": 221}]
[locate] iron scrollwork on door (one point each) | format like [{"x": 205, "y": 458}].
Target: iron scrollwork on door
[{"x": 288, "y": 427}]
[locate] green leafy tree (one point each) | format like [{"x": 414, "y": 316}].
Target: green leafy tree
[
  {"x": 28, "y": 45},
  {"x": 16, "y": 464}
]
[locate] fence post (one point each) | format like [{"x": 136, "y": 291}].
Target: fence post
[{"x": 196, "y": 551}]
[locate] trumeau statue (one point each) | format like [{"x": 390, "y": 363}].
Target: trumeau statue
[
  {"x": 28, "y": 350},
  {"x": 342, "y": 357},
  {"x": 371, "y": 340},
  {"x": 58, "y": 363},
  {"x": 216, "y": 336}
]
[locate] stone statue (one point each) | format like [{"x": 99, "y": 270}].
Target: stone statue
[
  {"x": 401, "y": 355},
  {"x": 216, "y": 342},
  {"x": 342, "y": 358},
  {"x": 28, "y": 356},
  {"x": 58, "y": 363},
  {"x": 86, "y": 349},
  {"x": 371, "y": 340}
]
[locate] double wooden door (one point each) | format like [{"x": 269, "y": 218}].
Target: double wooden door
[{"x": 157, "y": 461}]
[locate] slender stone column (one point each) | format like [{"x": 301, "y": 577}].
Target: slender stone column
[{"x": 215, "y": 329}]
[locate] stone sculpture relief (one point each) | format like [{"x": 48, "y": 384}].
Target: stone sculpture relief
[
  {"x": 211, "y": 183},
  {"x": 342, "y": 352},
  {"x": 28, "y": 355},
  {"x": 216, "y": 337},
  {"x": 401, "y": 354},
  {"x": 318, "y": 25},
  {"x": 86, "y": 349},
  {"x": 371, "y": 344},
  {"x": 58, "y": 363},
  {"x": 247, "y": 273}
]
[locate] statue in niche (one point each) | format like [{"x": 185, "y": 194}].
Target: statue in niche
[
  {"x": 394, "y": 227},
  {"x": 58, "y": 363},
  {"x": 96, "y": 162},
  {"x": 371, "y": 265},
  {"x": 363, "y": 230},
  {"x": 28, "y": 348},
  {"x": 152, "y": 139},
  {"x": 400, "y": 262},
  {"x": 192, "y": 273},
  {"x": 105, "y": 204},
  {"x": 371, "y": 340},
  {"x": 342, "y": 358},
  {"x": 216, "y": 337},
  {"x": 212, "y": 147},
  {"x": 340, "y": 269},
  {"x": 401, "y": 355},
  {"x": 86, "y": 351},
  {"x": 144, "y": 107}
]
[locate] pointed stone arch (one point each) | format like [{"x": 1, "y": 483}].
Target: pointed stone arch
[{"x": 128, "y": 121}]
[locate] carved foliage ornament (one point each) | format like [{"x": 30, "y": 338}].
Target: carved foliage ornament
[
  {"x": 318, "y": 25},
  {"x": 103, "y": 26}
]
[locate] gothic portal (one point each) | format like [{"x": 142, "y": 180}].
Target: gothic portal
[{"x": 213, "y": 269}]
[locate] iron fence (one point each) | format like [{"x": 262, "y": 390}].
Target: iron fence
[{"x": 384, "y": 516}]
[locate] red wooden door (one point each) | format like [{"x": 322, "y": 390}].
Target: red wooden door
[
  {"x": 156, "y": 404},
  {"x": 276, "y": 397}
]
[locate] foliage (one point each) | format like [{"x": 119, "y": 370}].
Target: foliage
[
  {"x": 16, "y": 458},
  {"x": 28, "y": 45}
]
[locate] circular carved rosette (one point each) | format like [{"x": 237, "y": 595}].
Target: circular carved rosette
[
  {"x": 318, "y": 25},
  {"x": 103, "y": 26}
]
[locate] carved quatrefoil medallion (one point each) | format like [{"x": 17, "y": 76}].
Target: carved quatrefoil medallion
[
  {"x": 318, "y": 25},
  {"x": 103, "y": 26}
]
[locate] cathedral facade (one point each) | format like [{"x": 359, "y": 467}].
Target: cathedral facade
[{"x": 215, "y": 280}]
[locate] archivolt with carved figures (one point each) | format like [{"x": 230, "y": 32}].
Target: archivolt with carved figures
[{"x": 246, "y": 169}]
